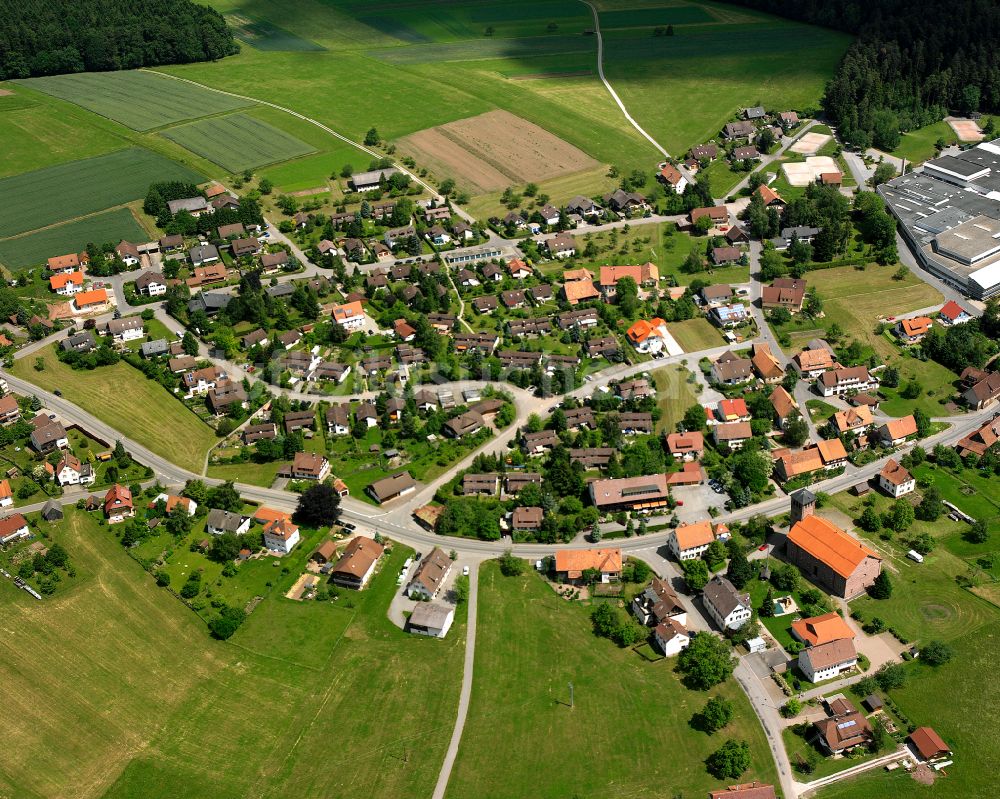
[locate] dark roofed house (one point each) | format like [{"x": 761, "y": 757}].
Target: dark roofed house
[
  {"x": 392, "y": 487},
  {"x": 527, "y": 519},
  {"x": 474, "y": 485}
]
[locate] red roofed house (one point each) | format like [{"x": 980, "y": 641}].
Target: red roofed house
[
  {"x": 671, "y": 177},
  {"x": 769, "y": 196},
  {"x": 93, "y": 300},
  {"x": 572, "y": 563},
  {"x": 577, "y": 291},
  {"x": 689, "y": 541},
  {"x": 913, "y": 330},
  {"x": 895, "y": 480},
  {"x": 12, "y": 528},
  {"x": 686, "y": 446},
  {"x": 65, "y": 263},
  {"x": 66, "y": 283},
  {"x": 897, "y": 431},
  {"x": 648, "y": 336},
  {"x": 952, "y": 313},
  {"x": 281, "y": 535},
  {"x": 6, "y": 494},
  {"x": 642, "y": 274},
  {"x": 734, "y": 410},
  {"x": 118, "y": 504},
  {"x": 831, "y": 558},
  {"x": 350, "y": 315},
  {"x": 821, "y": 630}
]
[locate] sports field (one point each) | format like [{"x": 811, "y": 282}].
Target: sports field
[
  {"x": 135, "y": 700},
  {"x": 126, "y": 400},
  {"x": 627, "y": 734},
  {"x": 140, "y": 100},
  {"x": 34, "y": 248},
  {"x": 66, "y": 191},
  {"x": 237, "y": 142}
]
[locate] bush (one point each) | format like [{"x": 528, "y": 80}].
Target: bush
[
  {"x": 227, "y": 622},
  {"x": 730, "y": 760},
  {"x": 936, "y": 653},
  {"x": 511, "y": 566},
  {"x": 791, "y": 708}
]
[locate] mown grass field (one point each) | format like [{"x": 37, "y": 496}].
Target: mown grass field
[
  {"x": 138, "y": 99},
  {"x": 120, "y": 395},
  {"x": 857, "y": 299},
  {"x": 237, "y": 142},
  {"x": 674, "y": 395},
  {"x": 696, "y": 334},
  {"x": 34, "y": 248},
  {"x": 917, "y": 145},
  {"x": 135, "y": 699},
  {"x": 66, "y": 191},
  {"x": 628, "y": 713}
]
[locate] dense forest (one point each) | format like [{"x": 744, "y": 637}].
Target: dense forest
[
  {"x": 913, "y": 61},
  {"x": 52, "y": 37}
]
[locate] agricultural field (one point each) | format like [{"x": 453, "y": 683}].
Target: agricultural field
[
  {"x": 266, "y": 36},
  {"x": 120, "y": 396},
  {"x": 37, "y": 134},
  {"x": 179, "y": 711},
  {"x": 66, "y": 191},
  {"x": 138, "y": 99},
  {"x": 494, "y": 150},
  {"x": 34, "y": 248},
  {"x": 627, "y": 712},
  {"x": 237, "y": 142},
  {"x": 856, "y": 300}
]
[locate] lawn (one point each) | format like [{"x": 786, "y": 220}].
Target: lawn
[
  {"x": 855, "y": 299},
  {"x": 721, "y": 178},
  {"x": 47, "y": 196},
  {"x": 696, "y": 334},
  {"x": 820, "y": 411},
  {"x": 936, "y": 383},
  {"x": 120, "y": 396},
  {"x": 237, "y": 142},
  {"x": 136, "y": 700},
  {"x": 926, "y": 602},
  {"x": 106, "y": 227},
  {"x": 258, "y": 474},
  {"x": 674, "y": 395},
  {"x": 138, "y": 99},
  {"x": 627, "y": 713},
  {"x": 917, "y": 145}
]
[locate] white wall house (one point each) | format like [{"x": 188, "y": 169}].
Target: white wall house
[{"x": 728, "y": 607}]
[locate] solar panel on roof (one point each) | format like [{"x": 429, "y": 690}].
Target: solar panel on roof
[{"x": 846, "y": 724}]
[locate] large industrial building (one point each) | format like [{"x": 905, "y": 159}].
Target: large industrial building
[{"x": 949, "y": 212}]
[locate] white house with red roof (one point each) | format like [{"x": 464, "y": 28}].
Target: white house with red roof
[{"x": 952, "y": 313}]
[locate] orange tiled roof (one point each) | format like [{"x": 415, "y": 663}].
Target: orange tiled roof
[
  {"x": 576, "y": 561},
  {"x": 917, "y": 326},
  {"x": 830, "y": 545},
  {"x": 94, "y": 297},
  {"x": 822, "y": 629},
  {"x": 694, "y": 535},
  {"x": 57, "y": 282}
]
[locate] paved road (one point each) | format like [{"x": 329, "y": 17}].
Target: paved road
[{"x": 466, "y": 695}]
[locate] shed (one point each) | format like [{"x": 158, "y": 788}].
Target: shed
[
  {"x": 52, "y": 511},
  {"x": 872, "y": 702},
  {"x": 757, "y": 644}
]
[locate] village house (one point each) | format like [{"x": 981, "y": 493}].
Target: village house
[
  {"x": 72, "y": 471},
  {"x": 281, "y": 536},
  {"x": 562, "y": 245},
  {"x": 671, "y": 177},
  {"x": 690, "y": 541},
  {"x": 66, "y": 284},
  {"x": 748, "y": 790},
  {"x": 839, "y": 381},
  {"x": 310, "y": 466},
  {"x": 733, "y": 410},
  {"x": 644, "y": 275},
  {"x": 913, "y": 330},
  {"x": 731, "y": 370},
  {"x": 686, "y": 446},
  {"x": 977, "y": 442},
  {"x": 785, "y": 292},
  {"x": 571, "y": 564},
  {"x": 929, "y": 745},
  {"x": 852, "y": 422},
  {"x": 350, "y": 316},
  {"x": 952, "y": 313},
  {"x": 765, "y": 365},
  {"x": 657, "y": 603},
  {"x": 844, "y": 728},
  {"x": 432, "y": 619},
  {"x": 118, "y": 504},
  {"x": 480, "y": 485},
  {"x": 727, "y": 607},
  {"x": 729, "y": 316},
  {"x": 983, "y": 391},
  {"x": 897, "y": 431},
  {"x": 48, "y": 435},
  {"x": 256, "y": 432},
  {"x": 221, "y": 521},
  {"x": 357, "y": 563},
  {"x": 732, "y": 434},
  {"x": 66, "y": 263},
  {"x": 88, "y": 301},
  {"x": 430, "y": 575},
  {"x": 10, "y": 411},
  {"x": 13, "y": 528},
  {"x": 649, "y": 336},
  {"x": 895, "y": 480},
  {"x": 820, "y": 630},
  {"x": 824, "y": 661},
  {"x": 151, "y": 284},
  {"x": 171, "y": 501},
  {"x": 127, "y": 329},
  {"x": 526, "y": 519},
  {"x": 815, "y": 360}
]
